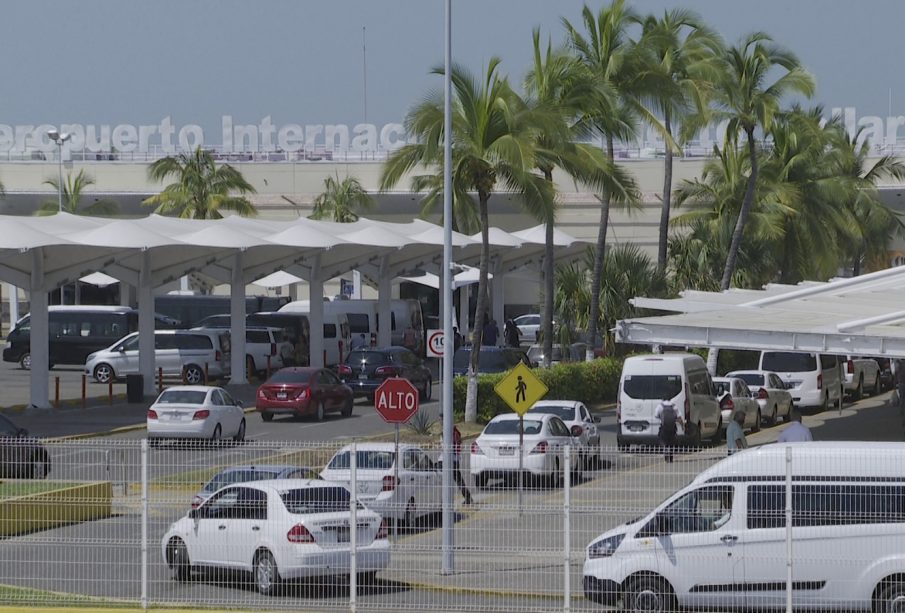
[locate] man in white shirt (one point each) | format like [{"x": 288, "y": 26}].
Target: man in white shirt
[{"x": 796, "y": 432}]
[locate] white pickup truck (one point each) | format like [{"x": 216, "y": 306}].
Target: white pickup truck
[{"x": 860, "y": 375}]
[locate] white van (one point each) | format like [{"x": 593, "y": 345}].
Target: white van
[
  {"x": 337, "y": 332},
  {"x": 720, "y": 542},
  {"x": 680, "y": 377},
  {"x": 813, "y": 379}
]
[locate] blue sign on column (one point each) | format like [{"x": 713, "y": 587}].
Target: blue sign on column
[{"x": 345, "y": 287}]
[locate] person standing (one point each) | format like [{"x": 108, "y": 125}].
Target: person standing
[
  {"x": 457, "y": 475},
  {"x": 510, "y": 334},
  {"x": 287, "y": 351},
  {"x": 735, "y": 434},
  {"x": 796, "y": 431},
  {"x": 669, "y": 418},
  {"x": 491, "y": 334}
]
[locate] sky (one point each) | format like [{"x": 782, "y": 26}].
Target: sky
[{"x": 301, "y": 61}]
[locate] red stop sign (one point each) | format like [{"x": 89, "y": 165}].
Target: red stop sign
[{"x": 396, "y": 400}]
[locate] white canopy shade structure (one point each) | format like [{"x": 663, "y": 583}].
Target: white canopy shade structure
[
  {"x": 43, "y": 253},
  {"x": 466, "y": 277},
  {"x": 277, "y": 279},
  {"x": 862, "y": 316},
  {"x": 99, "y": 279}
]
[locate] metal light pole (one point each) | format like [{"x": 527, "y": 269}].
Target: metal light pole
[
  {"x": 448, "y": 344},
  {"x": 59, "y": 139}
]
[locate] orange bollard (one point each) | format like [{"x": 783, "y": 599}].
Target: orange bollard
[
  {"x": 56, "y": 395},
  {"x": 84, "y": 389},
  {"x": 110, "y": 391},
  {"x": 159, "y": 380}
]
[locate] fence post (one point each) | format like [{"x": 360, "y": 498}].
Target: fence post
[
  {"x": 144, "y": 523},
  {"x": 789, "y": 529},
  {"x": 353, "y": 528},
  {"x": 566, "y": 526}
]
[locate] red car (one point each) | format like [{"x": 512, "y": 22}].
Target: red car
[{"x": 304, "y": 391}]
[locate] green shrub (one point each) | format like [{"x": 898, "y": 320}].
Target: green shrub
[{"x": 590, "y": 382}]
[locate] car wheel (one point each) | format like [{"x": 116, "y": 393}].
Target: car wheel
[
  {"x": 717, "y": 437},
  {"x": 266, "y": 416},
  {"x": 249, "y": 367},
  {"x": 218, "y": 432},
  {"x": 367, "y": 579},
  {"x": 25, "y": 361},
  {"x": 858, "y": 394},
  {"x": 103, "y": 373},
  {"x": 826, "y": 402},
  {"x": 193, "y": 375},
  {"x": 774, "y": 417},
  {"x": 694, "y": 440},
  {"x": 839, "y": 401},
  {"x": 178, "y": 559},
  {"x": 38, "y": 468},
  {"x": 756, "y": 427},
  {"x": 877, "y": 390},
  {"x": 319, "y": 414},
  {"x": 347, "y": 409},
  {"x": 267, "y": 576},
  {"x": 649, "y": 595},
  {"x": 480, "y": 480},
  {"x": 240, "y": 435},
  {"x": 411, "y": 514}
]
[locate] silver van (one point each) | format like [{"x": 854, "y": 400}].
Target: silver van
[{"x": 193, "y": 355}]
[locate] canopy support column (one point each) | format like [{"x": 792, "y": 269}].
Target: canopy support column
[
  {"x": 316, "y": 313},
  {"x": 146, "y": 355},
  {"x": 40, "y": 337},
  {"x": 237, "y": 322},
  {"x": 384, "y": 306},
  {"x": 13, "y": 292}
]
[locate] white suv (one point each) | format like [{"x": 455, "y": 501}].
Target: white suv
[{"x": 183, "y": 353}]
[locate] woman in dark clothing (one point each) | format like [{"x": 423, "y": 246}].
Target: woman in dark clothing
[{"x": 510, "y": 333}]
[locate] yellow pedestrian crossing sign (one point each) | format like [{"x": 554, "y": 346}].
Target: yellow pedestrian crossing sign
[{"x": 520, "y": 389}]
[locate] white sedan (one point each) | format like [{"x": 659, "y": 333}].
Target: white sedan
[
  {"x": 774, "y": 399},
  {"x": 495, "y": 453},
  {"x": 196, "y": 411},
  {"x": 733, "y": 395},
  {"x": 404, "y": 494},
  {"x": 277, "y": 529},
  {"x": 579, "y": 422}
]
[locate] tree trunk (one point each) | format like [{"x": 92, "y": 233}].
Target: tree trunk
[
  {"x": 747, "y": 202},
  {"x": 594, "y": 314},
  {"x": 471, "y": 394},
  {"x": 548, "y": 282},
  {"x": 667, "y": 196},
  {"x": 856, "y": 261}
]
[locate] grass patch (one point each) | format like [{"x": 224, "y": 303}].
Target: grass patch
[{"x": 16, "y": 488}]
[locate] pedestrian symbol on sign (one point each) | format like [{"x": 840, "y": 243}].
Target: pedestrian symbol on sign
[{"x": 520, "y": 390}]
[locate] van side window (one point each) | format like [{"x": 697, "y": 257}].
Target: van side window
[
  {"x": 701, "y": 510},
  {"x": 329, "y": 330},
  {"x": 827, "y": 361},
  {"x": 826, "y": 505},
  {"x": 359, "y": 323}
]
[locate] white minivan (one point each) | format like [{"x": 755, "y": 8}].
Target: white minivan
[
  {"x": 813, "y": 379},
  {"x": 720, "y": 542},
  {"x": 648, "y": 379}
]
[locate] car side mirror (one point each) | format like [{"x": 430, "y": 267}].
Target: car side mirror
[
  {"x": 239, "y": 404},
  {"x": 194, "y": 514}
]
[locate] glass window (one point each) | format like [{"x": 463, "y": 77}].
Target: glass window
[
  {"x": 359, "y": 323},
  {"x": 130, "y": 343},
  {"x": 562, "y": 412},
  {"x": 370, "y": 459},
  {"x": 252, "y": 504},
  {"x": 785, "y": 361},
  {"x": 751, "y": 378},
  {"x": 182, "y": 397},
  {"x": 316, "y": 500},
  {"x": 243, "y": 475},
  {"x": 699, "y": 383},
  {"x": 652, "y": 387},
  {"x": 329, "y": 330},
  {"x": 227, "y": 399},
  {"x": 286, "y": 375},
  {"x": 701, "y": 510},
  {"x": 826, "y": 505},
  {"x": 510, "y": 426},
  {"x": 722, "y": 387},
  {"x": 828, "y": 361},
  {"x": 217, "y": 398},
  {"x": 257, "y": 336},
  {"x": 164, "y": 341},
  {"x": 221, "y": 505},
  {"x": 368, "y": 357}
]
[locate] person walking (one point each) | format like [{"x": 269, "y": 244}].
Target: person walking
[
  {"x": 796, "y": 431},
  {"x": 510, "y": 334},
  {"x": 457, "y": 475},
  {"x": 669, "y": 418},
  {"x": 735, "y": 434}
]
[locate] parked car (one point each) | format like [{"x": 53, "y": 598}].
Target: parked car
[
  {"x": 246, "y": 474},
  {"x": 196, "y": 411},
  {"x": 887, "y": 379},
  {"x": 861, "y": 375},
  {"x": 279, "y": 529},
  {"x": 190, "y": 354},
  {"x": 495, "y": 453},
  {"x": 261, "y": 347},
  {"x": 771, "y": 394},
  {"x": 733, "y": 395},
  {"x": 21, "y": 456},
  {"x": 570, "y": 353},
  {"x": 415, "y": 490},
  {"x": 365, "y": 369},
  {"x": 490, "y": 360},
  {"x": 813, "y": 379},
  {"x": 528, "y": 326},
  {"x": 304, "y": 390},
  {"x": 580, "y": 423}
]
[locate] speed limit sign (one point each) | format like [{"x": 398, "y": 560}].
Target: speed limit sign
[{"x": 435, "y": 343}]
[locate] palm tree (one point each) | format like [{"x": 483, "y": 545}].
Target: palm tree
[
  {"x": 73, "y": 189},
  {"x": 679, "y": 57},
  {"x": 340, "y": 199},
  {"x": 493, "y": 147},
  {"x": 605, "y": 52},
  {"x": 556, "y": 87},
  {"x": 202, "y": 188},
  {"x": 744, "y": 96}
]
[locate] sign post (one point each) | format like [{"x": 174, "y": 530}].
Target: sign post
[
  {"x": 520, "y": 389},
  {"x": 396, "y": 401}
]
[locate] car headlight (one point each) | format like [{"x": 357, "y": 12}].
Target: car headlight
[{"x": 604, "y": 548}]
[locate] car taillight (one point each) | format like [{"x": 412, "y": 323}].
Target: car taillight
[
  {"x": 383, "y": 531},
  {"x": 299, "y": 534},
  {"x": 152, "y": 414},
  {"x": 727, "y": 403},
  {"x": 577, "y": 430},
  {"x": 476, "y": 449},
  {"x": 687, "y": 404},
  {"x": 261, "y": 393},
  {"x": 344, "y": 369},
  {"x": 762, "y": 394},
  {"x": 196, "y": 501},
  {"x": 202, "y": 414},
  {"x": 820, "y": 381},
  {"x": 301, "y": 393},
  {"x": 850, "y": 366},
  {"x": 386, "y": 371},
  {"x": 389, "y": 483},
  {"x": 218, "y": 356},
  {"x": 541, "y": 447}
]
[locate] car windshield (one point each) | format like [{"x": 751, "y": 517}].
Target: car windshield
[
  {"x": 238, "y": 476},
  {"x": 562, "y": 412},
  {"x": 288, "y": 375},
  {"x": 751, "y": 378},
  {"x": 316, "y": 500},
  {"x": 510, "y": 426},
  {"x": 782, "y": 361},
  {"x": 367, "y": 357},
  {"x": 365, "y": 459},
  {"x": 652, "y": 387},
  {"x": 182, "y": 397}
]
